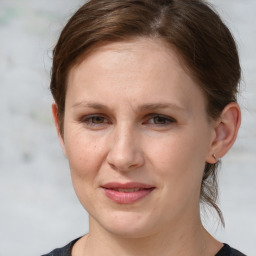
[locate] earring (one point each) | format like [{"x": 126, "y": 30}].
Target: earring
[{"x": 214, "y": 156}]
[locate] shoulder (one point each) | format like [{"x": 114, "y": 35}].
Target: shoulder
[
  {"x": 226, "y": 250},
  {"x": 63, "y": 251}
]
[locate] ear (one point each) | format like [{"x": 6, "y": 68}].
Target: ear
[
  {"x": 56, "y": 122},
  {"x": 225, "y": 132}
]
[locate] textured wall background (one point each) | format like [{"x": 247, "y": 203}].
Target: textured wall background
[{"x": 38, "y": 208}]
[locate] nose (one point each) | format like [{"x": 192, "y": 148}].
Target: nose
[{"x": 125, "y": 152}]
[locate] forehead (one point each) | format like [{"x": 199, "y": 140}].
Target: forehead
[
  {"x": 128, "y": 49},
  {"x": 143, "y": 67}
]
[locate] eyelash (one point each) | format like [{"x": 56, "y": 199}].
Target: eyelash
[
  {"x": 164, "y": 120},
  {"x": 88, "y": 120}
]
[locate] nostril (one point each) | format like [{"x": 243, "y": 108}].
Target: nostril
[
  {"x": 125, "y": 162},
  {"x": 124, "y": 150}
]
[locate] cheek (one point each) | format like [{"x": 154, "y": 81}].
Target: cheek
[
  {"x": 83, "y": 155},
  {"x": 179, "y": 150},
  {"x": 180, "y": 161},
  {"x": 85, "y": 162}
]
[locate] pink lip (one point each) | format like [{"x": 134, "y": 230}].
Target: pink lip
[{"x": 121, "y": 197}]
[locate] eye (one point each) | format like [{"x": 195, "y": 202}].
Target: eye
[
  {"x": 160, "y": 120},
  {"x": 95, "y": 120}
]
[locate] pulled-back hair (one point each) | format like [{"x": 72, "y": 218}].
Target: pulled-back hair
[{"x": 191, "y": 27}]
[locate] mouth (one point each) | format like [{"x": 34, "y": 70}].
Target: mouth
[
  {"x": 127, "y": 190},
  {"x": 127, "y": 193}
]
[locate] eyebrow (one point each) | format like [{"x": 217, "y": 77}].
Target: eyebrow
[
  {"x": 155, "y": 106},
  {"x": 94, "y": 105},
  {"x": 144, "y": 107}
]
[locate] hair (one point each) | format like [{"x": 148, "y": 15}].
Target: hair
[{"x": 191, "y": 27}]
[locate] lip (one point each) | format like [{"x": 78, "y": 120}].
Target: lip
[{"x": 127, "y": 197}]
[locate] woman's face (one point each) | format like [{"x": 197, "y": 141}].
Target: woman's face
[{"x": 137, "y": 137}]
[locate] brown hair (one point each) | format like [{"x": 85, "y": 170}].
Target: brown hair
[{"x": 191, "y": 27}]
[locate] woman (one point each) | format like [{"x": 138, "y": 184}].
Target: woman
[{"x": 145, "y": 106}]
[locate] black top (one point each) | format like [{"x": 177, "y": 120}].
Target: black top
[{"x": 226, "y": 250}]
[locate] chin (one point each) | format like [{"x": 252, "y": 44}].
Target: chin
[{"x": 126, "y": 224}]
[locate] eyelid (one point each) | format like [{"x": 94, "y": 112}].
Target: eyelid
[
  {"x": 87, "y": 119},
  {"x": 84, "y": 116},
  {"x": 168, "y": 118}
]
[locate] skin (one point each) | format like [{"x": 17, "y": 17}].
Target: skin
[{"x": 133, "y": 114}]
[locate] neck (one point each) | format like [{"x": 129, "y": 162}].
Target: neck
[{"x": 190, "y": 239}]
